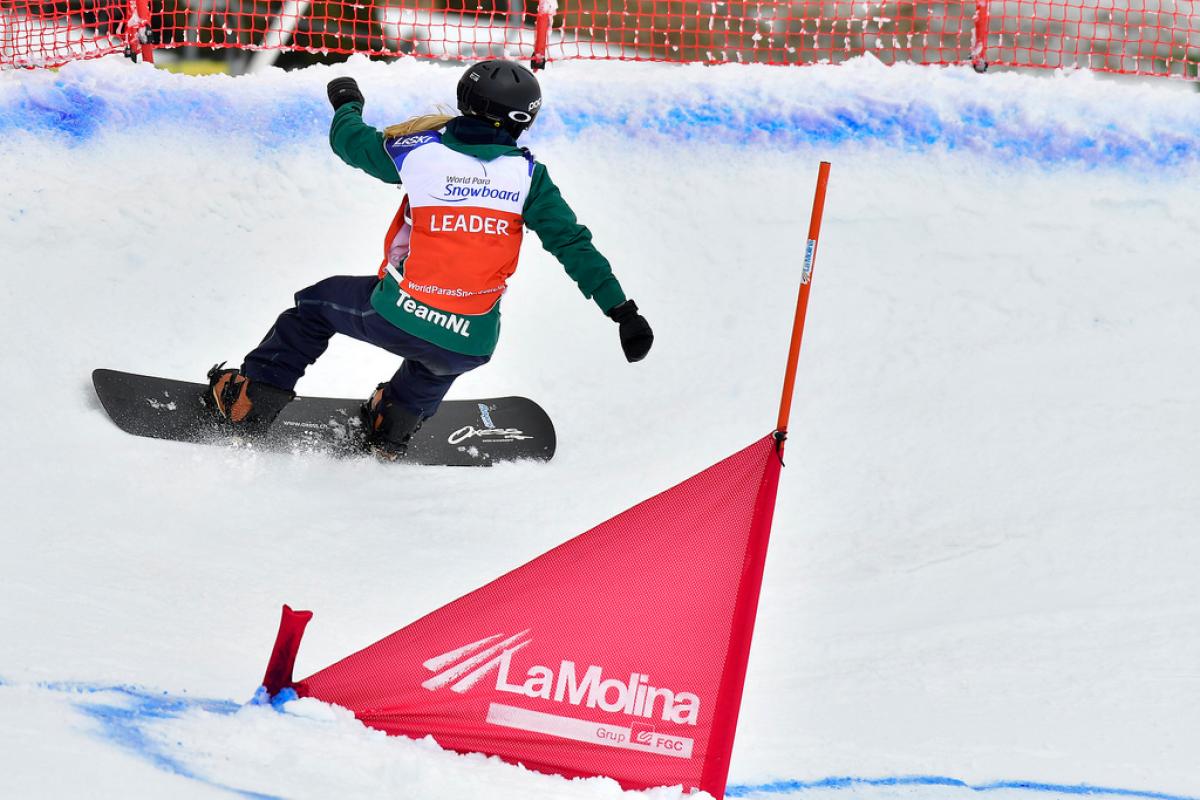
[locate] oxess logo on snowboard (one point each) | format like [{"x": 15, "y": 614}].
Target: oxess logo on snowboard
[
  {"x": 464, "y": 667},
  {"x": 488, "y": 433}
]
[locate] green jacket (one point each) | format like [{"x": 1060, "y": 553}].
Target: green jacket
[{"x": 545, "y": 212}]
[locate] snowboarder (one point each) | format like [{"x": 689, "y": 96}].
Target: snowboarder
[{"x": 452, "y": 246}]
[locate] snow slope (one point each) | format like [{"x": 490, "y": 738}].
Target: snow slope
[{"x": 982, "y": 577}]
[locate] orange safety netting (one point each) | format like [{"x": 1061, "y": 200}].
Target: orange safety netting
[
  {"x": 36, "y": 34},
  {"x": 1144, "y": 37}
]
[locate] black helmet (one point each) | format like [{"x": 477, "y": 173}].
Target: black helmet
[{"x": 503, "y": 93}]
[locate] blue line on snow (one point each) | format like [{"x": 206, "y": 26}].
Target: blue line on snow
[
  {"x": 795, "y": 787},
  {"x": 1002, "y": 131},
  {"x": 124, "y": 724}
]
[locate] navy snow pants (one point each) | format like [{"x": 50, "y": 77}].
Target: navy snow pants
[{"x": 342, "y": 304}]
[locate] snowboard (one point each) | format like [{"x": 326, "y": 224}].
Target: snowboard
[{"x": 462, "y": 433}]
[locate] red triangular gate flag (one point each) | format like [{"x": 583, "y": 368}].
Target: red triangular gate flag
[{"x": 622, "y": 652}]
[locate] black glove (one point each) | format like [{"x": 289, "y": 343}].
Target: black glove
[
  {"x": 342, "y": 91},
  {"x": 636, "y": 336}
]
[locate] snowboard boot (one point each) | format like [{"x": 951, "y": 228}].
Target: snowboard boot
[
  {"x": 389, "y": 426},
  {"x": 252, "y": 405}
]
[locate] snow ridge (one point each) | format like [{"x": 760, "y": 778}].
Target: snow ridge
[
  {"x": 863, "y": 104},
  {"x": 138, "y": 720}
]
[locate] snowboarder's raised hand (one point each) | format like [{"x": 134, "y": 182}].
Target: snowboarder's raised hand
[
  {"x": 342, "y": 91},
  {"x": 636, "y": 336}
]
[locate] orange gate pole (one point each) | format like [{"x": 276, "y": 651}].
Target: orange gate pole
[{"x": 810, "y": 258}]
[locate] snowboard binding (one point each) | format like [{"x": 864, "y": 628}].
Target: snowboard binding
[
  {"x": 389, "y": 426},
  {"x": 236, "y": 400}
]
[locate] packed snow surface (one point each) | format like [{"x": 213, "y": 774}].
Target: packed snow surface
[{"x": 982, "y": 577}]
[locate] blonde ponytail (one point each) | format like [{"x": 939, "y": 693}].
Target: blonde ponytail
[{"x": 417, "y": 124}]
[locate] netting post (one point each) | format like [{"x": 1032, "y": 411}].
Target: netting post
[
  {"x": 810, "y": 260},
  {"x": 541, "y": 35},
  {"x": 979, "y": 46},
  {"x": 139, "y": 35}
]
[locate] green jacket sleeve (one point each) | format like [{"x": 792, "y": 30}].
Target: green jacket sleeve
[
  {"x": 547, "y": 214},
  {"x": 360, "y": 145}
]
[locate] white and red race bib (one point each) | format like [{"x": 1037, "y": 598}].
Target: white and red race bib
[{"x": 459, "y": 232}]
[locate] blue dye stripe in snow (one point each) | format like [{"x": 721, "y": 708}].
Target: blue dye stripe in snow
[
  {"x": 915, "y": 126},
  {"x": 124, "y": 723},
  {"x": 1068, "y": 790},
  {"x": 1003, "y": 130},
  {"x": 80, "y": 114}
]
